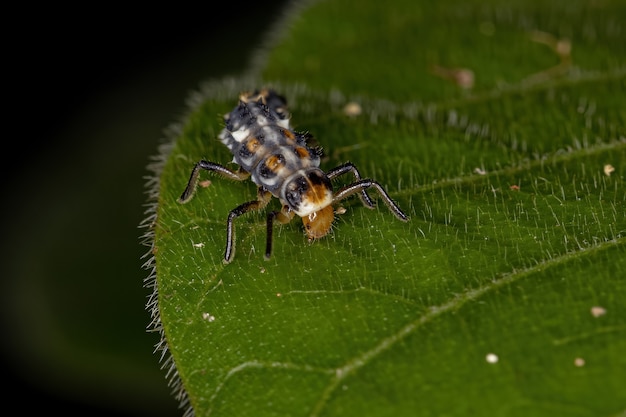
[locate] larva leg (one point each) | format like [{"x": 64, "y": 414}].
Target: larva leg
[
  {"x": 264, "y": 197},
  {"x": 362, "y": 185},
  {"x": 209, "y": 166},
  {"x": 284, "y": 216},
  {"x": 346, "y": 168}
]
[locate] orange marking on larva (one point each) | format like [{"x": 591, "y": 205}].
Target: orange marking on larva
[
  {"x": 274, "y": 163},
  {"x": 318, "y": 224},
  {"x": 316, "y": 194},
  {"x": 253, "y": 144},
  {"x": 289, "y": 135},
  {"x": 247, "y": 97},
  {"x": 263, "y": 95},
  {"x": 302, "y": 152}
]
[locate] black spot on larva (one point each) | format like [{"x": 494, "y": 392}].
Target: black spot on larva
[{"x": 295, "y": 190}]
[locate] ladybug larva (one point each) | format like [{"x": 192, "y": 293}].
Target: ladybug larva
[{"x": 280, "y": 162}]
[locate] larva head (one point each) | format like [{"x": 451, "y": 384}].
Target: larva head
[{"x": 318, "y": 223}]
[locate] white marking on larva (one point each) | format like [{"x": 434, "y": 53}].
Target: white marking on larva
[
  {"x": 224, "y": 136},
  {"x": 267, "y": 182},
  {"x": 307, "y": 207},
  {"x": 240, "y": 135}
]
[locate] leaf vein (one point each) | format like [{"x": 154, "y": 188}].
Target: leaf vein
[{"x": 455, "y": 303}]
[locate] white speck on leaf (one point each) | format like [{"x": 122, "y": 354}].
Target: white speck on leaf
[
  {"x": 352, "y": 109},
  {"x": 491, "y": 358},
  {"x": 598, "y": 311},
  {"x": 608, "y": 169}
]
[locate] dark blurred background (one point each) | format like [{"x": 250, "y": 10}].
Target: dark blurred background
[{"x": 90, "y": 93}]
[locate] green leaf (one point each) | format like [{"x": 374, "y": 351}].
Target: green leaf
[{"x": 501, "y": 296}]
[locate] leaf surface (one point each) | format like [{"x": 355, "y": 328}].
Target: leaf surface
[{"x": 501, "y": 296}]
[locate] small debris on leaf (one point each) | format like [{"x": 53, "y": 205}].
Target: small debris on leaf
[
  {"x": 491, "y": 358},
  {"x": 208, "y": 317},
  {"x": 352, "y": 109},
  {"x": 462, "y": 77},
  {"x": 598, "y": 311}
]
